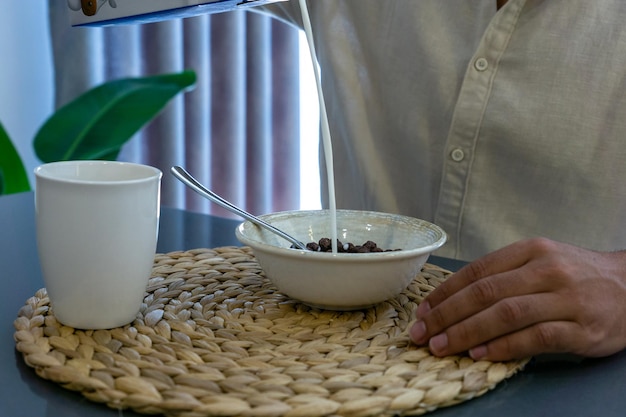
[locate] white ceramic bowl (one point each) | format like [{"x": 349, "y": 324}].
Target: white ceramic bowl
[{"x": 342, "y": 281}]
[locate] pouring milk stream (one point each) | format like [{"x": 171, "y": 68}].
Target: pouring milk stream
[{"x": 327, "y": 145}]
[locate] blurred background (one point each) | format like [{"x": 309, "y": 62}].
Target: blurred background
[{"x": 249, "y": 130}]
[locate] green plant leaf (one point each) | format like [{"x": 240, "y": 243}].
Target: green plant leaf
[
  {"x": 99, "y": 122},
  {"x": 13, "y": 177}
]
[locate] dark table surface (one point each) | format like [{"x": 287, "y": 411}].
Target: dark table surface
[{"x": 548, "y": 386}]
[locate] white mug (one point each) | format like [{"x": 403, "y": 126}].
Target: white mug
[{"x": 97, "y": 227}]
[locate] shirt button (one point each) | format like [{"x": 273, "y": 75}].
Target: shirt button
[
  {"x": 457, "y": 155},
  {"x": 481, "y": 64}
]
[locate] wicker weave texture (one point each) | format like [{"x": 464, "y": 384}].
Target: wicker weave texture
[{"x": 214, "y": 338}]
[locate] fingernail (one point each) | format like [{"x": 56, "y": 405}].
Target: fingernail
[
  {"x": 418, "y": 331},
  {"x": 478, "y": 352},
  {"x": 438, "y": 344},
  {"x": 422, "y": 309}
]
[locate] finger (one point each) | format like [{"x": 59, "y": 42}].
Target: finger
[
  {"x": 507, "y": 316},
  {"x": 509, "y": 258},
  {"x": 506, "y": 259},
  {"x": 545, "y": 337},
  {"x": 504, "y": 289}
]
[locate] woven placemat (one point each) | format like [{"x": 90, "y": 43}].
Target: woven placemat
[{"x": 214, "y": 338}]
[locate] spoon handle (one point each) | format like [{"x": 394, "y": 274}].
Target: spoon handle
[{"x": 192, "y": 183}]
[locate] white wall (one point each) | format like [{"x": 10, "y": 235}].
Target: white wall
[{"x": 26, "y": 75}]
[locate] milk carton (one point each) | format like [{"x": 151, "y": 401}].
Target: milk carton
[{"x": 111, "y": 12}]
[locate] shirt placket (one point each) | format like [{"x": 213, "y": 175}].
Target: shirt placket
[{"x": 468, "y": 116}]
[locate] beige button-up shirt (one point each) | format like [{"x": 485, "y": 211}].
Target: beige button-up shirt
[{"x": 496, "y": 125}]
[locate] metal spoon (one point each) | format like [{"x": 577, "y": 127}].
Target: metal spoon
[{"x": 187, "y": 179}]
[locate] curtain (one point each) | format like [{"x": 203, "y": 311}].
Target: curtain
[{"x": 237, "y": 131}]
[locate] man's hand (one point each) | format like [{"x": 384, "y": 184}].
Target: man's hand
[{"x": 534, "y": 296}]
